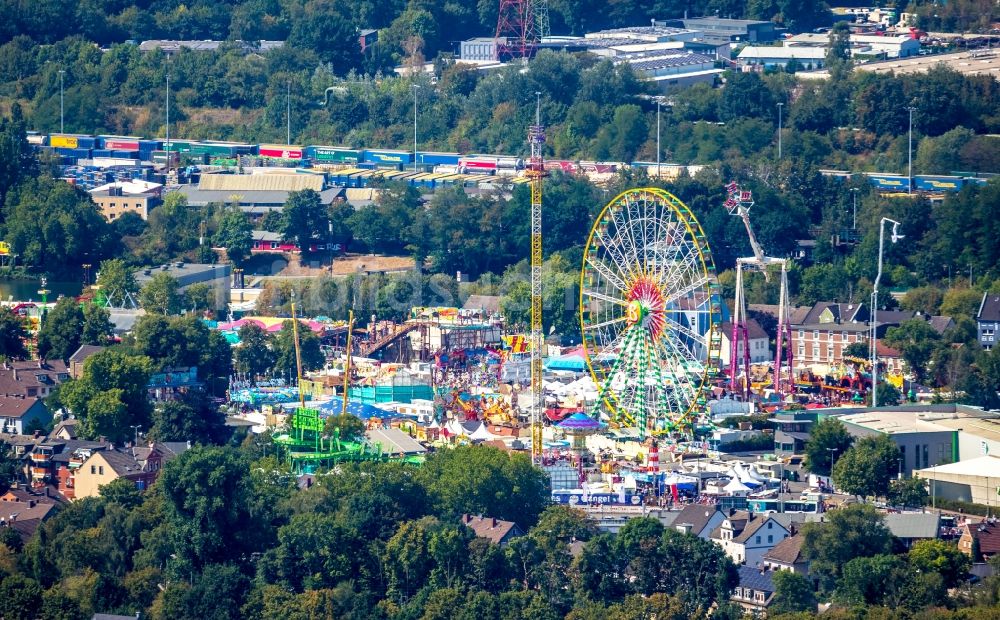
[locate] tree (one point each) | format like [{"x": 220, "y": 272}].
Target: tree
[
  {"x": 207, "y": 495},
  {"x": 254, "y": 355},
  {"x": 284, "y": 350},
  {"x": 867, "y": 467},
  {"x": 60, "y": 334},
  {"x": 305, "y": 218},
  {"x": 838, "y": 55},
  {"x": 959, "y": 302},
  {"x": 97, "y": 326},
  {"x": 916, "y": 340},
  {"x": 907, "y": 492},
  {"x": 117, "y": 282},
  {"x": 792, "y": 593},
  {"x": 20, "y": 598},
  {"x": 161, "y": 295},
  {"x": 16, "y": 158},
  {"x": 110, "y": 395},
  {"x": 828, "y": 440},
  {"x": 193, "y": 418},
  {"x": 234, "y": 234},
  {"x": 855, "y": 531},
  {"x": 54, "y": 226},
  {"x": 857, "y": 349},
  {"x": 350, "y": 428},
  {"x": 487, "y": 481},
  {"x": 314, "y": 551},
  {"x": 12, "y": 335},
  {"x": 924, "y": 299},
  {"x": 940, "y": 557}
]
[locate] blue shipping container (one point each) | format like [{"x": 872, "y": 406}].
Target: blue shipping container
[
  {"x": 101, "y": 153},
  {"x": 125, "y": 154},
  {"x": 437, "y": 159},
  {"x": 86, "y": 142},
  {"x": 889, "y": 182},
  {"x": 938, "y": 184},
  {"x": 389, "y": 157}
]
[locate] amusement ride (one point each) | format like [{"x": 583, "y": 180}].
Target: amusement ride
[{"x": 650, "y": 310}]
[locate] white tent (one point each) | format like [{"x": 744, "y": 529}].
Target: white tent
[
  {"x": 735, "y": 487},
  {"x": 482, "y": 433}
]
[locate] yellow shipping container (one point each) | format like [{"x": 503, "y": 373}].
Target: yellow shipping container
[{"x": 65, "y": 142}]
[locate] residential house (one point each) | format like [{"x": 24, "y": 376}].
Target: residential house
[
  {"x": 700, "y": 520},
  {"x": 25, "y": 516},
  {"x": 21, "y": 415},
  {"x": 793, "y": 431},
  {"x": 141, "y": 465},
  {"x": 909, "y": 527},
  {"x": 757, "y": 339},
  {"x": 824, "y": 333},
  {"x": 65, "y": 429},
  {"x": 985, "y": 536},
  {"x": 755, "y": 591},
  {"x": 32, "y": 379},
  {"x": 787, "y": 555},
  {"x": 988, "y": 320},
  {"x": 79, "y": 357},
  {"x": 746, "y": 537},
  {"x": 495, "y": 530}
]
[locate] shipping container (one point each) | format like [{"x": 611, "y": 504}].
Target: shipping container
[
  {"x": 889, "y": 182},
  {"x": 277, "y": 151},
  {"x": 437, "y": 159},
  {"x": 118, "y": 143},
  {"x": 221, "y": 149},
  {"x": 384, "y": 157},
  {"x": 36, "y": 139},
  {"x": 568, "y": 167},
  {"x": 938, "y": 183},
  {"x": 161, "y": 157},
  {"x": 100, "y": 153},
  {"x": 125, "y": 154},
  {"x": 333, "y": 154},
  {"x": 177, "y": 146},
  {"x": 63, "y": 142}
]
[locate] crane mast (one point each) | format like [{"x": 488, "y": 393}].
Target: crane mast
[{"x": 535, "y": 172}]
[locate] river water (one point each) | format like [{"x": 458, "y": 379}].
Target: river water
[{"x": 25, "y": 290}]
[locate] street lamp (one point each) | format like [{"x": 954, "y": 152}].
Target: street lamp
[
  {"x": 659, "y": 102},
  {"x": 832, "y": 452},
  {"x": 909, "y": 168},
  {"x": 854, "y": 222},
  {"x": 780, "y": 106},
  {"x": 168, "y": 123},
  {"x": 61, "y": 102},
  {"x": 288, "y": 113},
  {"x": 878, "y": 276},
  {"x": 415, "y": 87}
]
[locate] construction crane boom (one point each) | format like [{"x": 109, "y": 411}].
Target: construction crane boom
[{"x": 535, "y": 172}]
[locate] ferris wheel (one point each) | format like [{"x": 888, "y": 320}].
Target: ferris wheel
[{"x": 650, "y": 312}]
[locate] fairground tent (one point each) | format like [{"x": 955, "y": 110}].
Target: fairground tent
[{"x": 572, "y": 360}]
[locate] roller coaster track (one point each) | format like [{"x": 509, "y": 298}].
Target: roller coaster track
[{"x": 372, "y": 347}]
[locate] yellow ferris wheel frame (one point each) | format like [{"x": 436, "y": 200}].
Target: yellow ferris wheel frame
[{"x": 696, "y": 235}]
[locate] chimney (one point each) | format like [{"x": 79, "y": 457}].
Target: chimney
[
  {"x": 31, "y": 503},
  {"x": 493, "y": 521},
  {"x": 15, "y": 374},
  {"x": 46, "y": 490},
  {"x": 36, "y": 434}
]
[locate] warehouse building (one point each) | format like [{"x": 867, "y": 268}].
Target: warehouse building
[
  {"x": 722, "y": 30},
  {"x": 256, "y": 194}
]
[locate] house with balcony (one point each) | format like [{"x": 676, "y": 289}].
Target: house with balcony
[{"x": 988, "y": 320}]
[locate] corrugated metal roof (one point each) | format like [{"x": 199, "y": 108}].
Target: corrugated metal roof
[
  {"x": 260, "y": 182},
  {"x": 913, "y": 525}
]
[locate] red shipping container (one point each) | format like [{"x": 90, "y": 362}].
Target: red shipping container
[
  {"x": 121, "y": 145},
  {"x": 281, "y": 153}
]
